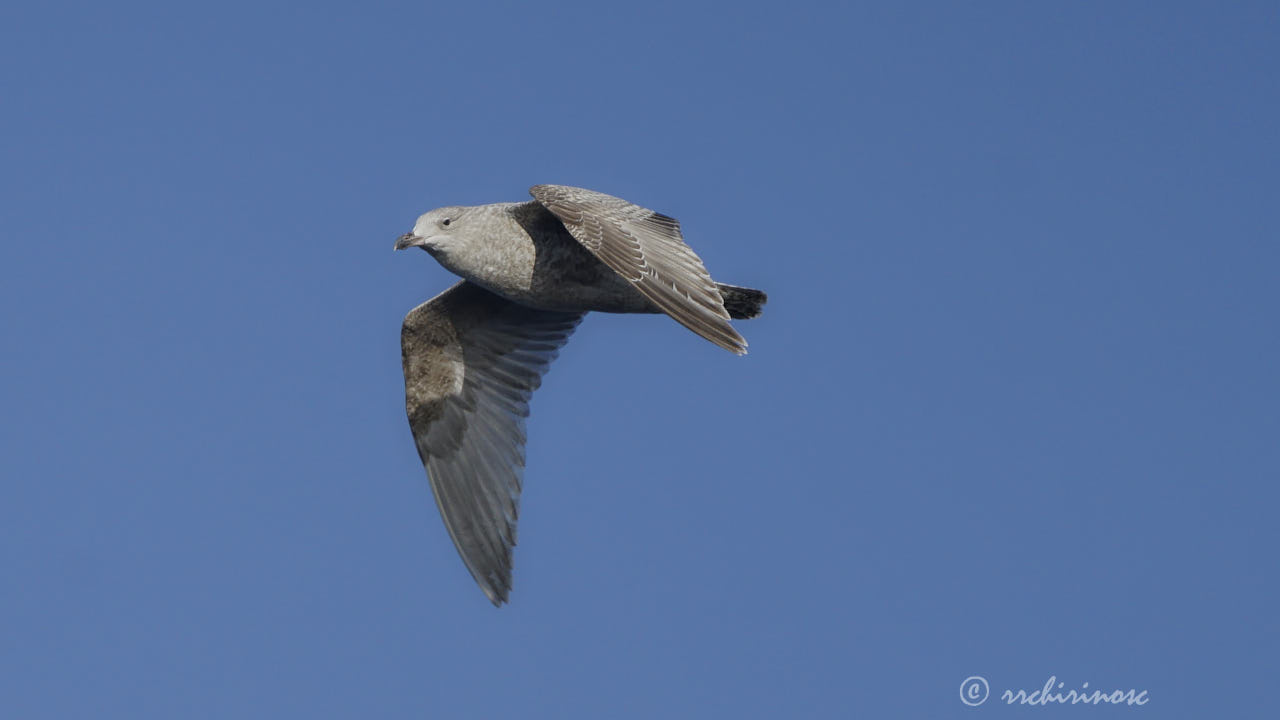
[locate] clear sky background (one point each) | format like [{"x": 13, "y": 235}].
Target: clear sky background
[{"x": 1012, "y": 410}]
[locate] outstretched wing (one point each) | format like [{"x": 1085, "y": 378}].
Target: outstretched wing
[
  {"x": 647, "y": 249},
  {"x": 471, "y": 362}
]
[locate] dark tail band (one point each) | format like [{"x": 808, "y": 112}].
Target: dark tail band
[{"x": 742, "y": 303}]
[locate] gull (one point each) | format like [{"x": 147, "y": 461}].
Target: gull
[{"x": 474, "y": 354}]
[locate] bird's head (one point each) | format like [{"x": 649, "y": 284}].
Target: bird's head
[{"x": 435, "y": 231}]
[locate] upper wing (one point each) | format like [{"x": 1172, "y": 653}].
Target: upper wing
[
  {"x": 471, "y": 362},
  {"x": 647, "y": 249}
]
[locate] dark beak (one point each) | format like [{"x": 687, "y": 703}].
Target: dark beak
[{"x": 408, "y": 240}]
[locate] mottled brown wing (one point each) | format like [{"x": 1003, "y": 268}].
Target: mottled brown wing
[
  {"x": 648, "y": 250},
  {"x": 471, "y": 362}
]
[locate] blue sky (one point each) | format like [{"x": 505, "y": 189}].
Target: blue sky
[{"x": 1011, "y": 411}]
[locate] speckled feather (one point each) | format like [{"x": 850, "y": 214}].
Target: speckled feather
[
  {"x": 471, "y": 362},
  {"x": 647, "y": 249}
]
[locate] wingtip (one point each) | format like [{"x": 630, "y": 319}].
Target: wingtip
[
  {"x": 497, "y": 598},
  {"x": 736, "y": 345}
]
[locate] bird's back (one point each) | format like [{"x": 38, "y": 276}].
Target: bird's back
[{"x": 562, "y": 274}]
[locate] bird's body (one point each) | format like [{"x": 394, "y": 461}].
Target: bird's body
[
  {"x": 474, "y": 354},
  {"x": 523, "y": 253}
]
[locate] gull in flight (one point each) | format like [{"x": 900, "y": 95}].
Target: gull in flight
[{"x": 474, "y": 354}]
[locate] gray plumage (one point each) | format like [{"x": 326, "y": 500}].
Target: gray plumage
[{"x": 474, "y": 354}]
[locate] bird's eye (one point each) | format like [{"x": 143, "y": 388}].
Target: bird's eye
[{"x": 446, "y": 222}]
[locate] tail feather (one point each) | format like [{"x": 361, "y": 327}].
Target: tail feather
[{"x": 742, "y": 303}]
